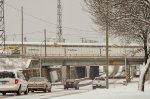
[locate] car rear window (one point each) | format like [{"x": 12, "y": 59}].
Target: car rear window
[
  {"x": 7, "y": 75},
  {"x": 99, "y": 78},
  {"x": 70, "y": 80},
  {"x": 36, "y": 79}
]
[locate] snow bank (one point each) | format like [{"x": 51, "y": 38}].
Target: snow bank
[
  {"x": 14, "y": 63},
  {"x": 119, "y": 92}
]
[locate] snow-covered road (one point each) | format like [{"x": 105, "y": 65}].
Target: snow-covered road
[
  {"x": 57, "y": 91},
  {"x": 117, "y": 90}
]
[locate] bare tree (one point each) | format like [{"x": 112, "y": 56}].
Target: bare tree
[{"x": 128, "y": 19}]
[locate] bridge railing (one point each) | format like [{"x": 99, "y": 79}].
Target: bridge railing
[{"x": 66, "y": 55}]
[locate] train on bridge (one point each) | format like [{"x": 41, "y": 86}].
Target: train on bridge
[{"x": 71, "y": 49}]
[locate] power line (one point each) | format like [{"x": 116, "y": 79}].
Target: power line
[{"x": 45, "y": 21}]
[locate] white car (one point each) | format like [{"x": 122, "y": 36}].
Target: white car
[
  {"x": 39, "y": 84},
  {"x": 13, "y": 82},
  {"x": 99, "y": 82}
]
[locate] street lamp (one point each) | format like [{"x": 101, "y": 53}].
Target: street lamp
[{"x": 40, "y": 67}]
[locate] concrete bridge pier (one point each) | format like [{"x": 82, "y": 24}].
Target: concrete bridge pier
[
  {"x": 88, "y": 71},
  {"x": 63, "y": 73}
]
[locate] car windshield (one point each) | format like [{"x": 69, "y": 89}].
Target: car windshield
[
  {"x": 70, "y": 80},
  {"x": 7, "y": 75},
  {"x": 36, "y": 79}
]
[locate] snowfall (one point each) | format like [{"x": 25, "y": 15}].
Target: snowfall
[{"x": 115, "y": 91}]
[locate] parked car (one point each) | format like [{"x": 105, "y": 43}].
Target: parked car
[
  {"x": 71, "y": 83},
  {"x": 13, "y": 82},
  {"x": 99, "y": 82},
  {"x": 39, "y": 84}
]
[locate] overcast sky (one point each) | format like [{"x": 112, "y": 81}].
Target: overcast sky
[{"x": 42, "y": 14}]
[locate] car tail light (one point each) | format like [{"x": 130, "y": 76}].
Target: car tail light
[{"x": 16, "y": 81}]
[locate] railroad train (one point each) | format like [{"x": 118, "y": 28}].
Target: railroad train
[{"x": 73, "y": 49}]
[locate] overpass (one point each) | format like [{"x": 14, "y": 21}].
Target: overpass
[
  {"x": 79, "y": 56},
  {"x": 89, "y": 61}
]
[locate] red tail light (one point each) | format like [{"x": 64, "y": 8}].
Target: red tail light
[{"x": 16, "y": 81}]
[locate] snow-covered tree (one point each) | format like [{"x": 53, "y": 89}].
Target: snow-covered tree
[{"x": 127, "y": 19}]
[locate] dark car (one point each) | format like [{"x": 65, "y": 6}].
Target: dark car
[
  {"x": 39, "y": 84},
  {"x": 71, "y": 83}
]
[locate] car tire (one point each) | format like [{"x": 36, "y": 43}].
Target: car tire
[
  {"x": 45, "y": 90},
  {"x": 49, "y": 90},
  {"x": 3, "y": 93},
  {"x": 65, "y": 87},
  {"x": 77, "y": 87},
  {"x": 19, "y": 91},
  {"x": 26, "y": 92},
  {"x": 94, "y": 87},
  {"x": 32, "y": 91}
]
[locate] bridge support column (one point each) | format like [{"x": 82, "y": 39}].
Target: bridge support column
[
  {"x": 73, "y": 73},
  {"x": 68, "y": 71},
  {"x": 88, "y": 71},
  {"x": 63, "y": 73}
]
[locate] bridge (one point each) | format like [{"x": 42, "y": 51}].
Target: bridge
[
  {"x": 78, "y": 54},
  {"x": 82, "y": 56}
]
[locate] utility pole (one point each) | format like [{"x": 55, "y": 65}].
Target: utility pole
[
  {"x": 107, "y": 41},
  {"x": 22, "y": 30},
  {"x": 59, "y": 37},
  {"x": 40, "y": 67},
  {"x": 2, "y": 25},
  {"x": 45, "y": 41}
]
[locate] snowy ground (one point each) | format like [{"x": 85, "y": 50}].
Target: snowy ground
[{"x": 116, "y": 91}]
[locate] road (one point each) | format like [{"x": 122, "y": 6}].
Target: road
[{"x": 57, "y": 91}]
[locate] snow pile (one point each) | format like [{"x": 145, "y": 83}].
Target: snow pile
[
  {"x": 117, "y": 92},
  {"x": 14, "y": 63}
]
